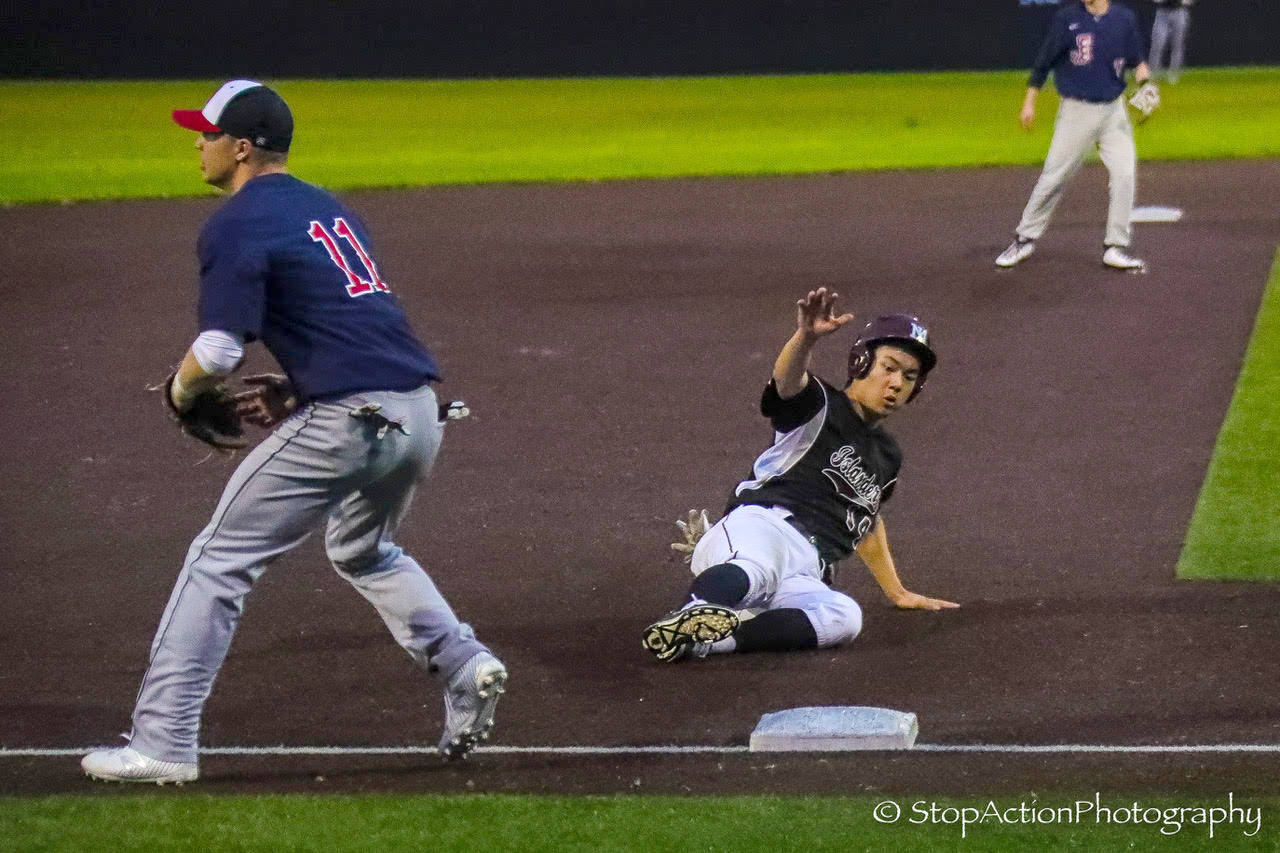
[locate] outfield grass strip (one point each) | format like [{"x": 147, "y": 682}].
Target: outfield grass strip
[
  {"x": 354, "y": 134},
  {"x": 1235, "y": 529}
]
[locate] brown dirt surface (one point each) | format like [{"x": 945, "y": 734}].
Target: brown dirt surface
[{"x": 612, "y": 340}]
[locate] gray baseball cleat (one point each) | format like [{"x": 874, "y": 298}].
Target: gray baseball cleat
[
  {"x": 1118, "y": 258},
  {"x": 469, "y": 702},
  {"x": 1018, "y": 251},
  {"x": 689, "y": 632},
  {"x": 126, "y": 764}
]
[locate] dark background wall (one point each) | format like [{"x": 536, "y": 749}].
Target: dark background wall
[{"x": 466, "y": 38}]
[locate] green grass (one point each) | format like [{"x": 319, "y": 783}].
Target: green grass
[
  {"x": 99, "y": 140},
  {"x": 1235, "y": 530},
  {"x": 618, "y": 823}
]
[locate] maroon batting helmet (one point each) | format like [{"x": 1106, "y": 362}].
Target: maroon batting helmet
[{"x": 904, "y": 330}]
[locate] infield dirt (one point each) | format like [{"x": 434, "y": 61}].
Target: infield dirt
[{"x": 612, "y": 340}]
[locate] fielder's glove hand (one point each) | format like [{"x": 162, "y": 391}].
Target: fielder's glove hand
[
  {"x": 1145, "y": 100},
  {"x": 210, "y": 417},
  {"x": 691, "y": 531},
  {"x": 267, "y": 401}
]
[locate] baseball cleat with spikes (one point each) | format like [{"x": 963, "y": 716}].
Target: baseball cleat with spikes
[
  {"x": 1019, "y": 250},
  {"x": 1118, "y": 257},
  {"x": 684, "y": 633},
  {"x": 126, "y": 764},
  {"x": 469, "y": 703}
]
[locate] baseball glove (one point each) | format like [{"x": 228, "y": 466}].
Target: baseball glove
[
  {"x": 1145, "y": 100},
  {"x": 211, "y": 417}
]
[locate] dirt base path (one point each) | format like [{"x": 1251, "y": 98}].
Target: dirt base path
[{"x": 612, "y": 340}]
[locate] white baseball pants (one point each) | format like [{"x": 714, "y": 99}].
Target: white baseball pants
[
  {"x": 783, "y": 570},
  {"x": 320, "y": 467},
  {"x": 1078, "y": 128}
]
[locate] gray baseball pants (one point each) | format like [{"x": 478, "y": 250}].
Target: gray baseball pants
[
  {"x": 356, "y": 476},
  {"x": 1080, "y": 126},
  {"x": 1169, "y": 30}
]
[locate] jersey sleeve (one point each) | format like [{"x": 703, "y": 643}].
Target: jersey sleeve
[
  {"x": 1051, "y": 50},
  {"x": 233, "y": 279},
  {"x": 895, "y": 455},
  {"x": 788, "y": 414},
  {"x": 1134, "y": 54}
]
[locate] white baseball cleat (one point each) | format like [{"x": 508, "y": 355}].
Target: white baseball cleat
[
  {"x": 1117, "y": 258},
  {"x": 1019, "y": 250},
  {"x": 126, "y": 764},
  {"x": 470, "y": 699},
  {"x": 689, "y": 632}
]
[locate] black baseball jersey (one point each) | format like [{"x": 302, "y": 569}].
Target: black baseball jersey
[{"x": 827, "y": 466}]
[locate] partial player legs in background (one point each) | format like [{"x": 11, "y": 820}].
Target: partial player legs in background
[
  {"x": 1160, "y": 29},
  {"x": 1180, "y": 22},
  {"x": 1169, "y": 33}
]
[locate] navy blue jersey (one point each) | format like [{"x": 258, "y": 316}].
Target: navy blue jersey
[
  {"x": 286, "y": 263},
  {"x": 828, "y": 467},
  {"x": 1088, "y": 54}
]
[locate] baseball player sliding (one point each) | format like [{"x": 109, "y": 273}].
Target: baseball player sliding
[
  {"x": 1088, "y": 48},
  {"x": 359, "y": 427},
  {"x": 814, "y": 498}
]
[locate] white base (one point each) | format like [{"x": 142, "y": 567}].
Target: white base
[
  {"x": 844, "y": 728},
  {"x": 1155, "y": 213}
]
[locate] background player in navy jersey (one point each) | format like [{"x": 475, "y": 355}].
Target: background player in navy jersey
[
  {"x": 1088, "y": 47},
  {"x": 813, "y": 499},
  {"x": 286, "y": 263}
]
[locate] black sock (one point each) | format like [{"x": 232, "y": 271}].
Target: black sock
[
  {"x": 784, "y": 630},
  {"x": 724, "y": 584}
]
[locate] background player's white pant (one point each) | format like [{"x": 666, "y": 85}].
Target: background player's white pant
[
  {"x": 1078, "y": 128},
  {"x": 783, "y": 569},
  {"x": 1169, "y": 29},
  {"x": 322, "y": 465}
]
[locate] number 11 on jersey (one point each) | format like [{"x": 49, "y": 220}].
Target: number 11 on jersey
[{"x": 357, "y": 284}]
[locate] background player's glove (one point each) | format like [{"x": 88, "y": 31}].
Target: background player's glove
[
  {"x": 211, "y": 417},
  {"x": 268, "y": 399},
  {"x": 1145, "y": 100},
  {"x": 691, "y": 530}
]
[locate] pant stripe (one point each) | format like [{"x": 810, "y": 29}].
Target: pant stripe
[{"x": 159, "y": 640}]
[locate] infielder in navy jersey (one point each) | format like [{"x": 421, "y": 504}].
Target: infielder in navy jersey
[
  {"x": 1089, "y": 46},
  {"x": 357, "y": 428},
  {"x": 814, "y": 497}
]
